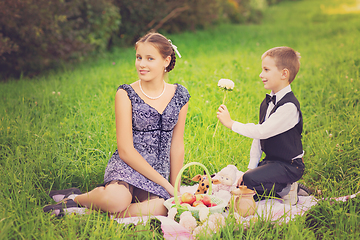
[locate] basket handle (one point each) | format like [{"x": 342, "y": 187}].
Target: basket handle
[{"x": 179, "y": 176}]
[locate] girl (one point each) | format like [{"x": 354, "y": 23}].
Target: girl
[{"x": 150, "y": 119}]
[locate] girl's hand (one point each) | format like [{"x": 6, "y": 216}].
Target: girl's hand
[
  {"x": 170, "y": 189},
  {"x": 224, "y": 116}
]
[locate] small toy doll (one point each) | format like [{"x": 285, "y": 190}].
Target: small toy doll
[{"x": 227, "y": 177}]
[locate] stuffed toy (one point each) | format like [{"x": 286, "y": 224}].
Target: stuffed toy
[
  {"x": 203, "y": 183},
  {"x": 227, "y": 177}
]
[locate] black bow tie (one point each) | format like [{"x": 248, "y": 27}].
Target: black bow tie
[{"x": 270, "y": 99}]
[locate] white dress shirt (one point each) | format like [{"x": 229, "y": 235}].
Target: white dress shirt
[{"x": 285, "y": 118}]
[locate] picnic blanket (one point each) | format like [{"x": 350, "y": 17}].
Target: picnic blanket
[{"x": 269, "y": 209}]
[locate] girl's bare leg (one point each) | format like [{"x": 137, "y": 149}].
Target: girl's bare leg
[
  {"x": 112, "y": 198},
  {"x": 146, "y": 208}
]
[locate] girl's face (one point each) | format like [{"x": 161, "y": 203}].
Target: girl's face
[{"x": 150, "y": 65}]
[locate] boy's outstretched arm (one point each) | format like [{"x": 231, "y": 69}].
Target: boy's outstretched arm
[{"x": 224, "y": 116}]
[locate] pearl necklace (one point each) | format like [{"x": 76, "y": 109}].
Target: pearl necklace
[{"x": 153, "y": 98}]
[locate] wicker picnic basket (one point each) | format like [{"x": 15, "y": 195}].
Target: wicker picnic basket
[{"x": 174, "y": 202}]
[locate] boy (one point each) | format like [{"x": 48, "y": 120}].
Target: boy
[{"x": 278, "y": 133}]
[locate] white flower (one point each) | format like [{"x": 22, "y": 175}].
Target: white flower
[
  {"x": 210, "y": 226},
  {"x": 203, "y": 214},
  {"x": 218, "y": 219},
  {"x": 198, "y": 230},
  {"x": 227, "y": 84},
  {"x": 239, "y": 219},
  {"x": 186, "y": 214},
  {"x": 172, "y": 212},
  {"x": 188, "y": 221},
  {"x": 207, "y": 229}
]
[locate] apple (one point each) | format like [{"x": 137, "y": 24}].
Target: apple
[
  {"x": 188, "y": 198},
  {"x": 206, "y": 200},
  {"x": 185, "y": 204},
  {"x": 199, "y": 197},
  {"x": 198, "y": 203},
  {"x": 173, "y": 201},
  {"x": 212, "y": 204}
]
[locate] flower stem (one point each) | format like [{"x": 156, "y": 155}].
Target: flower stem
[
  {"x": 218, "y": 120},
  {"x": 224, "y": 97}
]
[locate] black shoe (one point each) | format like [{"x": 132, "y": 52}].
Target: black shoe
[
  {"x": 58, "y": 209},
  {"x": 59, "y": 195},
  {"x": 303, "y": 190}
]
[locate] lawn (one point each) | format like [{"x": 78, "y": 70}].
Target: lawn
[{"x": 58, "y": 131}]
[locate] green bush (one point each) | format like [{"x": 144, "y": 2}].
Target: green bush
[
  {"x": 38, "y": 34},
  {"x": 199, "y": 15},
  {"x": 272, "y": 2},
  {"x": 171, "y": 16},
  {"x": 243, "y": 11},
  {"x": 175, "y": 16},
  {"x": 137, "y": 17}
]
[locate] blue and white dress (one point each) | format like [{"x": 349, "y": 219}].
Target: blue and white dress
[{"x": 152, "y": 134}]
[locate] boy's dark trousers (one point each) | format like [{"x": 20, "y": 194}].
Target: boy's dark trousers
[{"x": 271, "y": 176}]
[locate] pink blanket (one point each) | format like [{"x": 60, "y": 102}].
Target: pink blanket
[{"x": 272, "y": 209}]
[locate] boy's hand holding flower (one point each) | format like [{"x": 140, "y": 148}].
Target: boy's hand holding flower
[
  {"x": 224, "y": 116},
  {"x": 226, "y": 85}
]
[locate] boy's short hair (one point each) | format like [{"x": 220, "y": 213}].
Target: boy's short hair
[{"x": 285, "y": 57}]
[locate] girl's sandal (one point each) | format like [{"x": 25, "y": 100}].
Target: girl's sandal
[
  {"x": 58, "y": 209},
  {"x": 59, "y": 195}
]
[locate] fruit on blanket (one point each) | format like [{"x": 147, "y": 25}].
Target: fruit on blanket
[
  {"x": 198, "y": 203},
  {"x": 192, "y": 200},
  {"x": 185, "y": 205},
  {"x": 188, "y": 198},
  {"x": 199, "y": 197},
  {"x": 206, "y": 200},
  {"x": 173, "y": 202}
]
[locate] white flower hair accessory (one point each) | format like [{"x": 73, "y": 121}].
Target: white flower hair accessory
[{"x": 175, "y": 48}]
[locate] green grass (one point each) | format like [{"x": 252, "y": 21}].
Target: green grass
[{"x": 55, "y": 141}]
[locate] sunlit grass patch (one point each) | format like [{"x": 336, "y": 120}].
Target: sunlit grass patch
[{"x": 344, "y": 7}]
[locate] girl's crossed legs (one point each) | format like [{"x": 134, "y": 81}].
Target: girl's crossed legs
[{"x": 122, "y": 199}]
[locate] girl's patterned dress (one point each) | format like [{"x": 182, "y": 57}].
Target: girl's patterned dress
[{"x": 152, "y": 134}]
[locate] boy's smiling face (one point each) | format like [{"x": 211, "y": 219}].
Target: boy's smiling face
[{"x": 273, "y": 78}]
